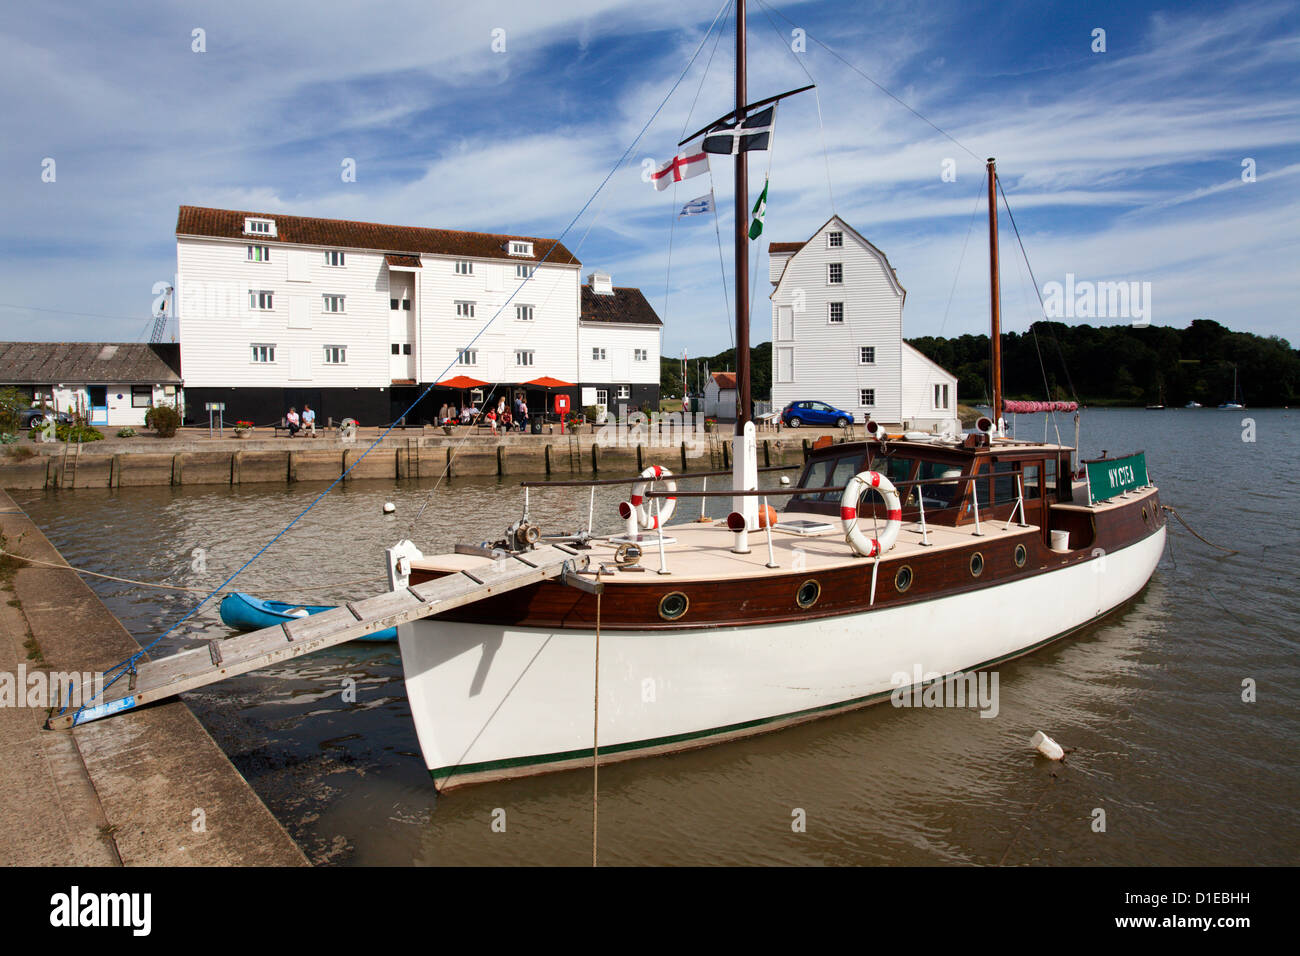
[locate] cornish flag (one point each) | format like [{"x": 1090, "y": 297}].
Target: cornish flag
[
  {"x": 755, "y": 132},
  {"x": 760, "y": 210},
  {"x": 691, "y": 161},
  {"x": 697, "y": 207}
]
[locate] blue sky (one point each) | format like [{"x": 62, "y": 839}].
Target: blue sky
[{"x": 1122, "y": 165}]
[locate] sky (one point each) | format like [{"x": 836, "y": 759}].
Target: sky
[{"x": 1169, "y": 157}]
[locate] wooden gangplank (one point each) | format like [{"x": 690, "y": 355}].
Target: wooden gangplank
[{"x": 216, "y": 660}]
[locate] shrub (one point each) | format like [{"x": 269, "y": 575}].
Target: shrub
[
  {"x": 11, "y": 403},
  {"x": 7, "y": 438},
  {"x": 74, "y": 433},
  {"x": 127, "y": 432},
  {"x": 163, "y": 419}
]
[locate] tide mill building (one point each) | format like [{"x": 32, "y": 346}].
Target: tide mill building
[{"x": 358, "y": 318}]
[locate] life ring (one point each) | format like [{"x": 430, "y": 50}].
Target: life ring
[
  {"x": 643, "y": 515},
  {"x": 858, "y": 541}
]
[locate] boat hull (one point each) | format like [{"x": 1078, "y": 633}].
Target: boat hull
[{"x": 496, "y": 701}]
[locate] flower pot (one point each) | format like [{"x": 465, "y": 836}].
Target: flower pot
[{"x": 243, "y": 432}]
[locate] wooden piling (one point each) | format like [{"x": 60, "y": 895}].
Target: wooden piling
[
  {"x": 501, "y": 460},
  {"x": 291, "y": 467},
  {"x": 595, "y": 458},
  {"x": 115, "y": 471},
  {"x": 178, "y": 469},
  {"x": 236, "y": 464},
  {"x": 546, "y": 456}
]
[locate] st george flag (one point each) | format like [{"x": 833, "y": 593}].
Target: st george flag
[
  {"x": 691, "y": 161},
  {"x": 760, "y": 210},
  {"x": 755, "y": 132},
  {"x": 697, "y": 206}
]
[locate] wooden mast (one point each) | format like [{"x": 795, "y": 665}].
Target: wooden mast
[
  {"x": 995, "y": 337},
  {"x": 745, "y": 411}
]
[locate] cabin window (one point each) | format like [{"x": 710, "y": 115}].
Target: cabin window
[
  {"x": 895, "y": 469},
  {"x": 844, "y": 469},
  {"x": 946, "y": 489},
  {"x": 816, "y": 477},
  {"x": 1004, "y": 483},
  {"x": 1030, "y": 473}
]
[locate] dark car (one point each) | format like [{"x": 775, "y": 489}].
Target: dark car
[
  {"x": 35, "y": 417},
  {"x": 815, "y": 413}
]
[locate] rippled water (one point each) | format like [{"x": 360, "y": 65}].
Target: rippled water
[{"x": 1149, "y": 699}]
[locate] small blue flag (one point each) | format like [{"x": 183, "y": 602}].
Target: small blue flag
[{"x": 697, "y": 207}]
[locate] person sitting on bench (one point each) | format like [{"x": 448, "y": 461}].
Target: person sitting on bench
[
  {"x": 308, "y": 421},
  {"x": 291, "y": 421}
]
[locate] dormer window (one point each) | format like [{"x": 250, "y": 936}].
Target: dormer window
[
  {"x": 259, "y": 227},
  {"x": 519, "y": 248}
]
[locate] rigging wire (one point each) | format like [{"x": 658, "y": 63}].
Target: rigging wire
[
  {"x": 128, "y": 665},
  {"x": 877, "y": 85}
]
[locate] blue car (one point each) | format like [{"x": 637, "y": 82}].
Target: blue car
[{"x": 815, "y": 413}]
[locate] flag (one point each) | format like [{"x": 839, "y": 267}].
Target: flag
[
  {"x": 754, "y": 133},
  {"x": 760, "y": 210},
  {"x": 697, "y": 207},
  {"x": 691, "y": 161}
]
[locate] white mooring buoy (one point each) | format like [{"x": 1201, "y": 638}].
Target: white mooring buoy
[
  {"x": 785, "y": 479},
  {"x": 1046, "y": 746},
  {"x": 389, "y": 507}
]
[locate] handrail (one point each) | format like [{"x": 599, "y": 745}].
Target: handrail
[
  {"x": 592, "y": 482},
  {"x": 798, "y": 491}
]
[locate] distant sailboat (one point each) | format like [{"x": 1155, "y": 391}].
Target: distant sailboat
[{"x": 1234, "y": 404}]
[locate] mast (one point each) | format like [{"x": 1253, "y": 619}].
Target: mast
[
  {"x": 745, "y": 412},
  {"x": 995, "y": 336}
]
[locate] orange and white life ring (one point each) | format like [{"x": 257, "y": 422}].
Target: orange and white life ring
[
  {"x": 639, "y": 501},
  {"x": 858, "y": 541}
]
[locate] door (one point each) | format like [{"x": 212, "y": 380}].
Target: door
[{"x": 98, "y": 395}]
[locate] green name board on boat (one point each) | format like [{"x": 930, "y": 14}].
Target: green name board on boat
[{"x": 1114, "y": 476}]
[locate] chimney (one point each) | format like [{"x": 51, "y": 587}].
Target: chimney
[{"x": 600, "y": 283}]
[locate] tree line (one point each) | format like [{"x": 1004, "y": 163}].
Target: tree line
[{"x": 1102, "y": 365}]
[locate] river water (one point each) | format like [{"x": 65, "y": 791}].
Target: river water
[{"x": 1185, "y": 771}]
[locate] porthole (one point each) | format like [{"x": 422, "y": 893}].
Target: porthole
[
  {"x": 1021, "y": 555},
  {"x": 976, "y": 564},
  {"x": 808, "y": 594},
  {"x": 903, "y": 579},
  {"x": 673, "y": 605},
  {"x": 1146, "y": 519}
]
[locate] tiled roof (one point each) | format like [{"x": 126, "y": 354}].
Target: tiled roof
[
  {"x": 779, "y": 247},
  {"x": 625, "y": 305},
  {"x": 89, "y": 363},
  {"x": 725, "y": 379},
  {"x": 409, "y": 261},
  {"x": 344, "y": 233}
]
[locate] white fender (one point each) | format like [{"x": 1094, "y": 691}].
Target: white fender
[{"x": 857, "y": 539}]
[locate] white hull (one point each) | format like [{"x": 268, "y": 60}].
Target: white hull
[{"x": 492, "y": 702}]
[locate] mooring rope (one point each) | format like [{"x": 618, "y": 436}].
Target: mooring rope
[
  {"x": 177, "y": 587},
  {"x": 1173, "y": 511}
]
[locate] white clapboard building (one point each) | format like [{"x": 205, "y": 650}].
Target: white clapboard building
[
  {"x": 358, "y": 319},
  {"x": 619, "y": 338},
  {"x": 837, "y": 334}
]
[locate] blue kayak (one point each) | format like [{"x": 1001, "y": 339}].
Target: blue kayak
[{"x": 247, "y": 613}]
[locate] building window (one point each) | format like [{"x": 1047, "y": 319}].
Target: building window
[
  {"x": 524, "y": 313},
  {"x": 334, "y": 259},
  {"x": 834, "y": 240},
  {"x": 336, "y": 355},
  {"x": 602, "y": 396},
  {"x": 836, "y": 316},
  {"x": 867, "y": 397},
  {"x": 941, "y": 397},
  {"x": 523, "y": 272},
  {"x": 640, "y": 355},
  {"x": 259, "y": 253},
  {"x": 467, "y": 357},
  {"x": 260, "y": 300},
  {"x": 464, "y": 267},
  {"x": 406, "y": 348},
  {"x": 141, "y": 396},
  {"x": 406, "y": 305},
  {"x": 625, "y": 391},
  {"x": 867, "y": 355},
  {"x": 523, "y": 356},
  {"x": 334, "y": 303},
  {"x": 464, "y": 310},
  {"x": 521, "y": 248},
  {"x": 597, "y": 355},
  {"x": 397, "y": 348},
  {"x": 259, "y": 227},
  {"x": 263, "y": 354},
  {"x": 835, "y": 273}
]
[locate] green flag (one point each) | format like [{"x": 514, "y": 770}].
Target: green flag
[{"x": 760, "y": 210}]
